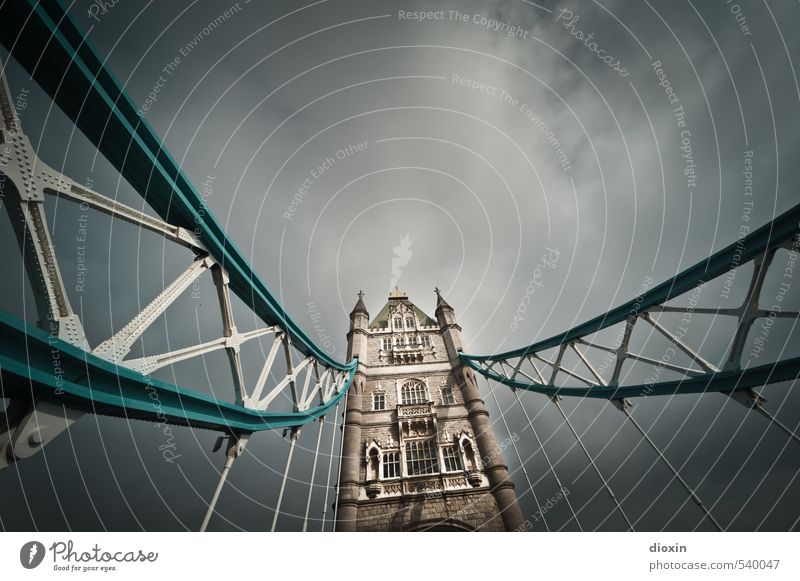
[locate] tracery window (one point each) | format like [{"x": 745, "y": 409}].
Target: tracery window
[
  {"x": 413, "y": 392},
  {"x": 421, "y": 457}
]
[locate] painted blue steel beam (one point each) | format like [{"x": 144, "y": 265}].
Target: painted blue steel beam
[
  {"x": 725, "y": 382},
  {"x": 768, "y": 237},
  {"x": 44, "y": 40},
  {"x": 34, "y": 364}
]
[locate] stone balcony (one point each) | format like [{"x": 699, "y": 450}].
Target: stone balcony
[
  {"x": 401, "y": 354},
  {"x": 433, "y": 485},
  {"x": 415, "y": 410}
]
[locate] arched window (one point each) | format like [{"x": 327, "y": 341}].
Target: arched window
[
  {"x": 398, "y": 323},
  {"x": 409, "y": 323},
  {"x": 448, "y": 398},
  {"x": 413, "y": 392}
]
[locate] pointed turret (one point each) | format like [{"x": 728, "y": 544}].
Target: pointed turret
[
  {"x": 360, "y": 307},
  {"x": 441, "y": 304},
  {"x": 451, "y": 331},
  {"x": 347, "y": 501},
  {"x": 357, "y": 337}
]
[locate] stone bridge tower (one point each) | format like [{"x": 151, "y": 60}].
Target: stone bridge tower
[{"x": 419, "y": 452}]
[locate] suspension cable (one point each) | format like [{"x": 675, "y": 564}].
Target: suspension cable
[
  {"x": 591, "y": 461},
  {"x": 293, "y": 441},
  {"x": 622, "y": 405},
  {"x": 213, "y": 502},
  {"x": 330, "y": 467},
  {"x": 235, "y": 447},
  {"x": 516, "y": 451},
  {"x": 564, "y": 492},
  {"x": 760, "y": 409},
  {"x": 339, "y": 477},
  {"x": 313, "y": 473}
]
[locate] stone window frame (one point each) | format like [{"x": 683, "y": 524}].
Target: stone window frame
[
  {"x": 397, "y": 462},
  {"x": 430, "y": 451},
  {"x": 448, "y": 389},
  {"x": 422, "y": 381},
  {"x": 402, "y": 314},
  {"x": 379, "y": 393},
  {"x": 457, "y": 456},
  {"x": 377, "y": 472},
  {"x": 439, "y": 462}
]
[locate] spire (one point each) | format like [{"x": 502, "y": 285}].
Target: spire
[
  {"x": 360, "y": 307},
  {"x": 440, "y": 302},
  {"x": 446, "y": 317}
]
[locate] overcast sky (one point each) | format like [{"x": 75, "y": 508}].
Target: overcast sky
[{"x": 342, "y": 139}]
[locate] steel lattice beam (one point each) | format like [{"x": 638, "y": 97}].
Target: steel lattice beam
[
  {"x": 759, "y": 248},
  {"x": 90, "y": 383},
  {"x": 724, "y": 382},
  {"x": 52, "y": 377}
]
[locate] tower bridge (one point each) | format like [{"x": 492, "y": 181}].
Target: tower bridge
[{"x": 419, "y": 450}]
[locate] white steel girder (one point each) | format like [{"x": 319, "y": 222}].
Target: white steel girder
[
  {"x": 25, "y": 180},
  {"x": 151, "y": 363},
  {"x": 117, "y": 347},
  {"x": 28, "y": 424}
]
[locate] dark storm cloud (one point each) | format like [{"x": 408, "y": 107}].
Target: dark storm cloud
[{"x": 466, "y": 127}]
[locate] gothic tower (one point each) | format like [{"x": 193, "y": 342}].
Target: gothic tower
[{"x": 419, "y": 452}]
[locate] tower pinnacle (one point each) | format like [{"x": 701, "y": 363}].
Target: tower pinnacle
[
  {"x": 360, "y": 307},
  {"x": 440, "y": 302}
]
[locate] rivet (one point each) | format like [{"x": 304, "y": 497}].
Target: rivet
[{"x": 35, "y": 439}]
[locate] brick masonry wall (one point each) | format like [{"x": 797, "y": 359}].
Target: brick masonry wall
[{"x": 478, "y": 511}]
